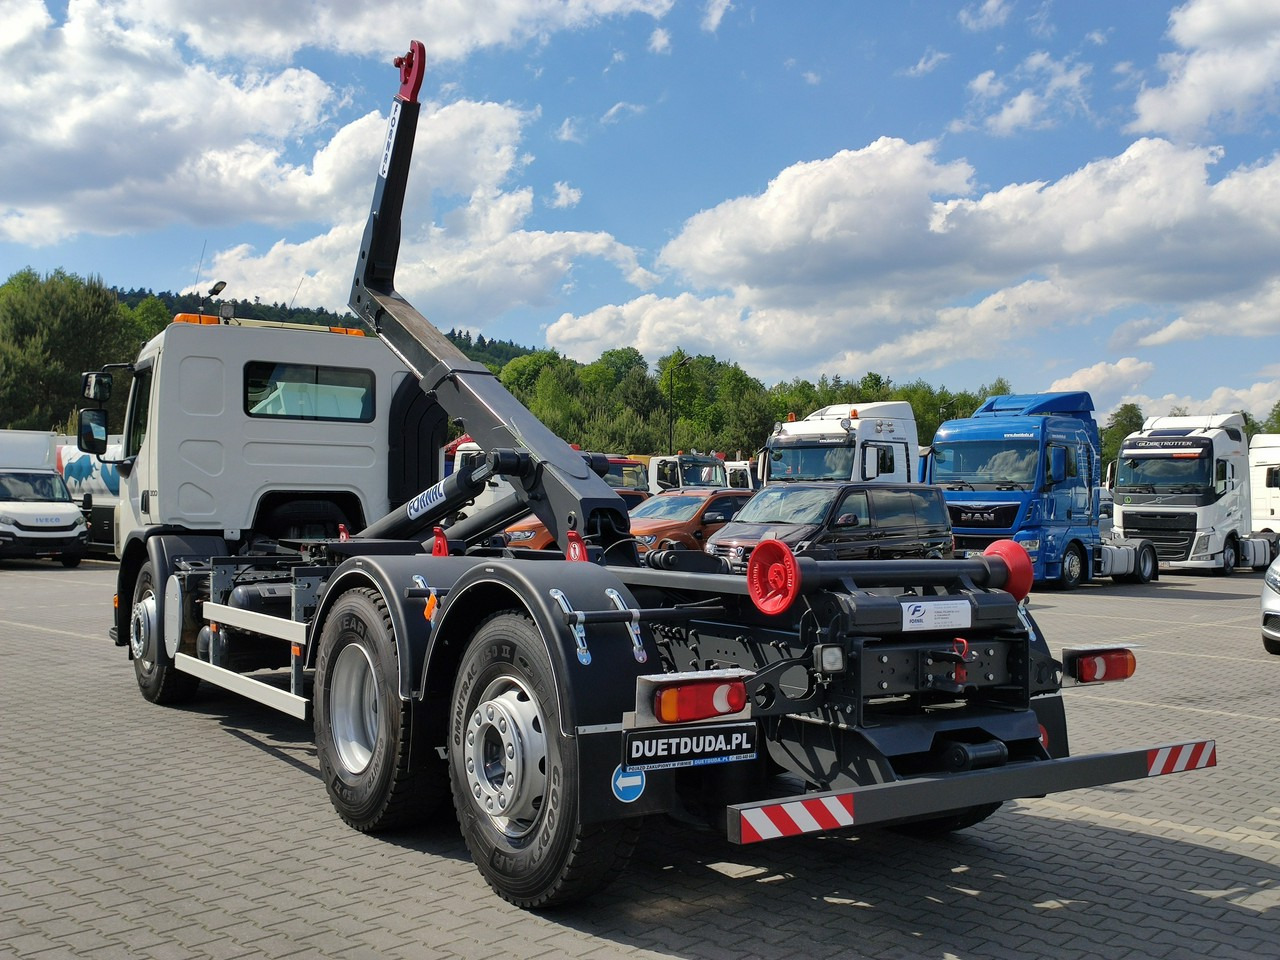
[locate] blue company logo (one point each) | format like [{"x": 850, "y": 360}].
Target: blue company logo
[
  {"x": 916, "y": 611},
  {"x": 627, "y": 784}
]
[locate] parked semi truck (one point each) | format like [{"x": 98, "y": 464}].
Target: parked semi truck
[
  {"x": 845, "y": 441},
  {"x": 1264, "y": 483},
  {"x": 95, "y": 484},
  {"x": 1183, "y": 483},
  {"x": 1027, "y": 468},
  {"x": 554, "y": 698}
]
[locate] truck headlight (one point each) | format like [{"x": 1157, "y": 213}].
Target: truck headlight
[
  {"x": 1031, "y": 546},
  {"x": 8, "y": 521}
]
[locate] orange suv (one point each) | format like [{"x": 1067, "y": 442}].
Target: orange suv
[
  {"x": 530, "y": 533},
  {"x": 683, "y": 519}
]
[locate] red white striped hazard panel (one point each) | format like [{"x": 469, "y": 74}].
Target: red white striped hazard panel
[
  {"x": 794, "y": 817},
  {"x": 1187, "y": 756},
  {"x": 922, "y": 797}
]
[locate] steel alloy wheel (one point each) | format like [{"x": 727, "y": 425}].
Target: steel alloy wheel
[
  {"x": 142, "y": 629},
  {"x": 506, "y": 756},
  {"x": 353, "y": 708},
  {"x": 1072, "y": 567}
]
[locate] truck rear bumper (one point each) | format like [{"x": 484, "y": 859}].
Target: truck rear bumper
[{"x": 901, "y": 800}]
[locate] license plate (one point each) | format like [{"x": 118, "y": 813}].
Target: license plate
[{"x": 658, "y": 748}]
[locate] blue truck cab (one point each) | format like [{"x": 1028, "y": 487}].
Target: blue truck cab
[{"x": 1027, "y": 468}]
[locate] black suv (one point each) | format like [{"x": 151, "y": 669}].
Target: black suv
[{"x": 841, "y": 521}]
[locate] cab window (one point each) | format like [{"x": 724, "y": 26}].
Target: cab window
[{"x": 303, "y": 391}]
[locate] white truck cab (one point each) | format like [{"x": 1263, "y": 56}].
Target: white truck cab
[{"x": 845, "y": 441}]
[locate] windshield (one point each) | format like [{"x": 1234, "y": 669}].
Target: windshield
[
  {"x": 629, "y": 476},
  {"x": 34, "y": 487},
  {"x": 668, "y": 508},
  {"x": 985, "y": 461},
  {"x": 825, "y": 462},
  {"x": 703, "y": 473},
  {"x": 784, "y": 504},
  {"x": 1184, "y": 473}
]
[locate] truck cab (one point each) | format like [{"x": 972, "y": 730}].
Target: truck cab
[
  {"x": 1183, "y": 483},
  {"x": 1026, "y": 468},
  {"x": 845, "y": 441}
]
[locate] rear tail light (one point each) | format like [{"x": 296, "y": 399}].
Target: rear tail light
[
  {"x": 1099, "y": 666},
  {"x": 699, "y": 700}
]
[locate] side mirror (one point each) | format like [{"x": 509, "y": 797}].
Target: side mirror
[
  {"x": 847, "y": 520},
  {"x": 91, "y": 433},
  {"x": 1057, "y": 465},
  {"x": 96, "y": 386},
  {"x": 715, "y": 517}
]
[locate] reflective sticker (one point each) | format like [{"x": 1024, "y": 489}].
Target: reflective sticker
[{"x": 627, "y": 784}]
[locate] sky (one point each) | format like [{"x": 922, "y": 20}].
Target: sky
[{"x": 1069, "y": 194}]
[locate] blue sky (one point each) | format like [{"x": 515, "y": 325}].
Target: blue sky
[{"x": 1071, "y": 194}]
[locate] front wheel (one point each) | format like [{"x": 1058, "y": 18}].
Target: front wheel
[
  {"x": 515, "y": 775},
  {"x": 362, "y": 727},
  {"x": 71, "y": 559},
  {"x": 158, "y": 679},
  {"x": 1230, "y": 557}
]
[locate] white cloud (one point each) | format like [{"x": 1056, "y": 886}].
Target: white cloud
[
  {"x": 931, "y": 60},
  {"x": 811, "y": 78},
  {"x": 565, "y": 196},
  {"x": 1226, "y": 70},
  {"x": 568, "y": 131},
  {"x": 615, "y": 113},
  {"x": 1107, "y": 381},
  {"x": 660, "y": 41},
  {"x": 713, "y": 13},
  {"x": 889, "y": 246},
  {"x": 1256, "y": 398},
  {"x": 985, "y": 15},
  {"x": 450, "y": 31},
  {"x": 1048, "y": 91}
]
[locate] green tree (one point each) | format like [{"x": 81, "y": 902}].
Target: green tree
[
  {"x": 1272, "y": 423},
  {"x": 1124, "y": 420},
  {"x": 52, "y": 328}
]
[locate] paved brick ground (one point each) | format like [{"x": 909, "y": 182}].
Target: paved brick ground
[{"x": 129, "y": 830}]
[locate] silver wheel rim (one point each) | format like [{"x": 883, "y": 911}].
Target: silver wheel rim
[
  {"x": 353, "y": 708},
  {"x": 142, "y": 628},
  {"x": 506, "y": 756},
  {"x": 1071, "y": 566}
]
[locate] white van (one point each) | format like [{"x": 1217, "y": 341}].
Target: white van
[{"x": 38, "y": 518}]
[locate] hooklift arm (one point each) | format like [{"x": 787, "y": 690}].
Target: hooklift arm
[{"x": 549, "y": 477}]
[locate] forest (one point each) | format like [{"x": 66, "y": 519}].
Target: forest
[{"x": 55, "y": 326}]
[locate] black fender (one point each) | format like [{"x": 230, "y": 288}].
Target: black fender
[
  {"x": 164, "y": 547},
  {"x": 596, "y": 692}
]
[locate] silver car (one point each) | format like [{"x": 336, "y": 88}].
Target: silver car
[{"x": 1271, "y": 608}]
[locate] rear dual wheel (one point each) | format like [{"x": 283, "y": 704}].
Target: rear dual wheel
[
  {"x": 363, "y": 727},
  {"x": 515, "y": 775}
]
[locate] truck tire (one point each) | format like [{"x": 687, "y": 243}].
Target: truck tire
[
  {"x": 1072, "y": 567},
  {"x": 1230, "y": 557},
  {"x": 362, "y": 727},
  {"x": 515, "y": 777},
  {"x": 1146, "y": 565},
  {"x": 948, "y": 823},
  {"x": 158, "y": 679},
  {"x": 71, "y": 559}
]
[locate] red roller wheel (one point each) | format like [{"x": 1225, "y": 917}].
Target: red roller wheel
[
  {"x": 1021, "y": 574},
  {"x": 773, "y": 577}
]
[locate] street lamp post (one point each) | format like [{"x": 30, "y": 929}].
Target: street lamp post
[{"x": 671, "y": 401}]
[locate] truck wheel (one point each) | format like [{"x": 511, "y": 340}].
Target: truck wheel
[
  {"x": 362, "y": 727},
  {"x": 1230, "y": 557},
  {"x": 948, "y": 823},
  {"x": 1072, "y": 567},
  {"x": 1145, "y": 566},
  {"x": 71, "y": 559},
  {"x": 515, "y": 776},
  {"x": 158, "y": 679}
]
